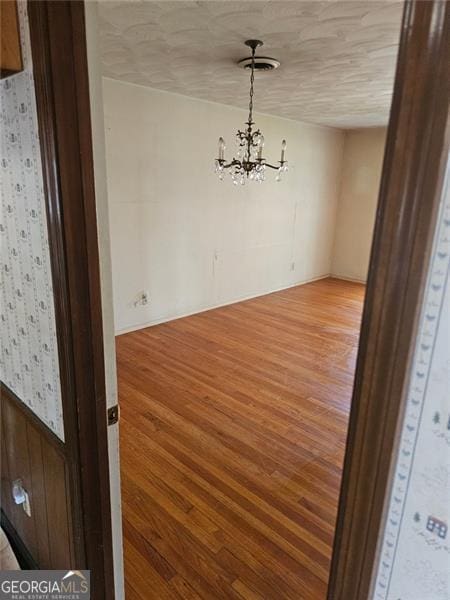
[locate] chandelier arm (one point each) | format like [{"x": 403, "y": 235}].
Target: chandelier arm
[
  {"x": 273, "y": 166},
  {"x": 236, "y": 162},
  {"x": 233, "y": 163}
]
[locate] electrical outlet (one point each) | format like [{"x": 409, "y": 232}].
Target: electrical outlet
[
  {"x": 292, "y": 266},
  {"x": 142, "y": 299}
]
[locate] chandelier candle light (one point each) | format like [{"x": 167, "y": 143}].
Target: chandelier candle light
[{"x": 249, "y": 162}]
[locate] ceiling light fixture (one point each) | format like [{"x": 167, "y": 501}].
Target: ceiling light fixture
[{"x": 249, "y": 162}]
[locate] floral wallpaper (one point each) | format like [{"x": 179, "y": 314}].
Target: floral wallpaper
[
  {"x": 29, "y": 356},
  {"x": 415, "y": 552}
]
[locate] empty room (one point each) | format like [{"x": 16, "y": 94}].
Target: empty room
[
  {"x": 238, "y": 294},
  {"x": 244, "y": 147}
]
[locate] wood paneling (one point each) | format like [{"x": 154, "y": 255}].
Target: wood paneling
[
  {"x": 32, "y": 453},
  {"x": 10, "y": 49},
  {"x": 38, "y": 482},
  {"x": 233, "y": 429}
]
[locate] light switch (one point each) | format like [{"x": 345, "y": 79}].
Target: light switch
[
  {"x": 20, "y": 496},
  {"x": 18, "y": 492}
]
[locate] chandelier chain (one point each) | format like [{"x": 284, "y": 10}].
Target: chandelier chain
[{"x": 252, "y": 80}]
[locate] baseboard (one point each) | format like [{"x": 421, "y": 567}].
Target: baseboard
[
  {"x": 213, "y": 306},
  {"x": 24, "y": 558},
  {"x": 346, "y": 278}
]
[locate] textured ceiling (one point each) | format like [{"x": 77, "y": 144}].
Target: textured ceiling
[{"x": 337, "y": 58}]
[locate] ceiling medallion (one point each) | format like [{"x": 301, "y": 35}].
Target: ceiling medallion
[{"x": 249, "y": 162}]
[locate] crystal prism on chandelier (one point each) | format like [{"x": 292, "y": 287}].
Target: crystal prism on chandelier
[{"x": 249, "y": 162}]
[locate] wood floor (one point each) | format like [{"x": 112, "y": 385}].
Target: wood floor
[{"x": 233, "y": 428}]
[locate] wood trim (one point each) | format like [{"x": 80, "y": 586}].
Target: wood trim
[
  {"x": 57, "y": 31},
  {"x": 412, "y": 180},
  {"x": 45, "y": 431}
]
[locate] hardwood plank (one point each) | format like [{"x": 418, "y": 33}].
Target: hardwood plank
[
  {"x": 130, "y": 592},
  {"x": 246, "y": 592},
  {"x": 233, "y": 433},
  {"x": 145, "y": 580},
  {"x": 183, "y": 588}
]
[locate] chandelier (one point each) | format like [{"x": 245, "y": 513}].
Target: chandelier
[{"x": 249, "y": 162}]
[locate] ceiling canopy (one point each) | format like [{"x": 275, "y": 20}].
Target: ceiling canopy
[{"x": 337, "y": 57}]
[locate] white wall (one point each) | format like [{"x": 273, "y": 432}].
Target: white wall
[
  {"x": 414, "y": 559},
  {"x": 192, "y": 241},
  {"x": 361, "y": 173}
]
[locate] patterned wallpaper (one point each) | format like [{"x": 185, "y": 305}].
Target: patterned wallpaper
[
  {"x": 29, "y": 357},
  {"x": 415, "y": 553}
]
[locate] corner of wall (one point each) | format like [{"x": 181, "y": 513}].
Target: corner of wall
[
  {"x": 358, "y": 195},
  {"x": 339, "y": 188}
]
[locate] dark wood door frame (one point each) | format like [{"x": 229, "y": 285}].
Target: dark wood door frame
[
  {"x": 417, "y": 145},
  {"x": 411, "y": 187},
  {"x": 57, "y": 31}
]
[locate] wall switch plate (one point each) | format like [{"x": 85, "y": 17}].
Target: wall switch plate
[
  {"x": 20, "y": 496},
  {"x": 18, "y": 493}
]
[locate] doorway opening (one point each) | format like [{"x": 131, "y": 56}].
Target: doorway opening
[{"x": 237, "y": 309}]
